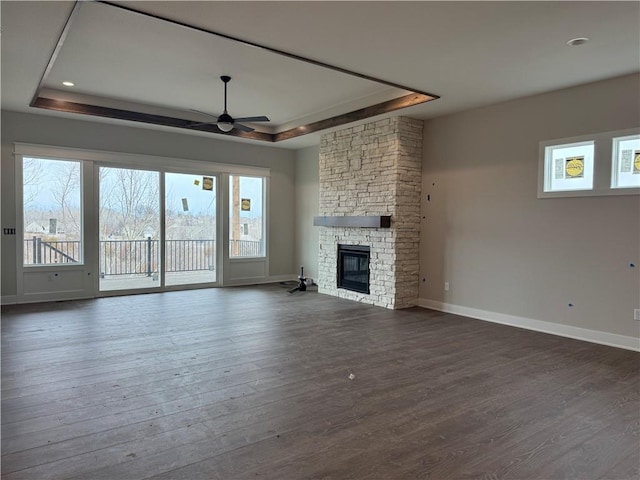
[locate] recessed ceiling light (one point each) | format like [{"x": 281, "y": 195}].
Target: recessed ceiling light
[
  {"x": 67, "y": 83},
  {"x": 577, "y": 41}
]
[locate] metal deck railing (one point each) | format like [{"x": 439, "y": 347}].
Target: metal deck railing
[{"x": 128, "y": 257}]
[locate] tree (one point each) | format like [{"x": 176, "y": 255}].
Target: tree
[
  {"x": 32, "y": 176},
  {"x": 65, "y": 190},
  {"x": 129, "y": 202}
]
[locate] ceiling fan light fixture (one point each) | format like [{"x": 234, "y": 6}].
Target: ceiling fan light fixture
[
  {"x": 225, "y": 121},
  {"x": 225, "y": 126}
]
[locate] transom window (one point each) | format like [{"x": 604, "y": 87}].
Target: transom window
[
  {"x": 625, "y": 172},
  {"x": 569, "y": 167},
  {"x": 600, "y": 164}
]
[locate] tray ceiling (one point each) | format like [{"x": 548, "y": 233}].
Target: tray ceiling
[
  {"x": 134, "y": 66},
  {"x": 471, "y": 54}
]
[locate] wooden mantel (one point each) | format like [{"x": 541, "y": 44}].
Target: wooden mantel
[{"x": 360, "y": 221}]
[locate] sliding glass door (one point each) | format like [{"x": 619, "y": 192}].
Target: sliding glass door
[
  {"x": 94, "y": 223},
  {"x": 129, "y": 229},
  {"x": 190, "y": 229}
]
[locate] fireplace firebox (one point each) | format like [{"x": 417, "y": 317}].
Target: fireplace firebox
[{"x": 353, "y": 268}]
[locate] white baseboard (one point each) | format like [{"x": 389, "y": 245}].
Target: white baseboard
[
  {"x": 594, "y": 336},
  {"x": 8, "y": 299}
]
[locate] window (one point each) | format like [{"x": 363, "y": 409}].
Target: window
[
  {"x": 601, "y": 164},
  {"x": 52, "y": 213},
  {"x": 569, "y": 167},
  {"x": 625, "y": 170},
  {"x": 246, "y": 217}
]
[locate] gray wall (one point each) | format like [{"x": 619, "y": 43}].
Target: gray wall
[
  {"x": 307, "y": 193},
  {"x": 49, "y": 130},
  {"x": 504, "y": 250}
]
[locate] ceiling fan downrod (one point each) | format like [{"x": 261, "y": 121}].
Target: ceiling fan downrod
[{"x": 225, "y": 121}]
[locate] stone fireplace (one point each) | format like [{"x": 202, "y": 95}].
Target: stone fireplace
[{"x": 365, "y": 171}]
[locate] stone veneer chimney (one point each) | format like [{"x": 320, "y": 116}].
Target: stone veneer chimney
[{"x": 374, "y": 169}]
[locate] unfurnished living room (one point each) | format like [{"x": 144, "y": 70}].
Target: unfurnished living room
[{"x": 320, "y": 240}]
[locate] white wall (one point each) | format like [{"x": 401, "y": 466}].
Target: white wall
[
  {"x": 506, "y": 252},
  {"x": 307, "y": 193},
  {"x": 62, "y": 132}
]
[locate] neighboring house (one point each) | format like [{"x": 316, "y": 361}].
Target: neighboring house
[{"x": 35, "y": 228}]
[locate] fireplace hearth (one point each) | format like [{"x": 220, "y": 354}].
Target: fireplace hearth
[{"x": 353, "y": 268}]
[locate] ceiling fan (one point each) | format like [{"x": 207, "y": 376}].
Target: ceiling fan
[{"x": 226, "y": 122}]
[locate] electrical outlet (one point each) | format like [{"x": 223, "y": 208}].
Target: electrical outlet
[
  {"x": 446, "y": 286},
  {"x": 636, "y": 314}
]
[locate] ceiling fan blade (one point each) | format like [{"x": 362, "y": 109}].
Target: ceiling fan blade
[
  {"x": 242, "y": 127},
  {"x": 199, "y": 124},
  {"x": 261, "y": 118},
  {"x": 204, "y": 113}
]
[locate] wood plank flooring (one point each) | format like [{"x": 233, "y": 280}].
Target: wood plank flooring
[{"x": 253, "y": 383}]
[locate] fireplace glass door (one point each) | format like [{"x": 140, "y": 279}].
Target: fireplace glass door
[{"x": 353, "y": 268}]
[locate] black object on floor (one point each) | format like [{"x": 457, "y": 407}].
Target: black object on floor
[{"x": 302, "y": 283}]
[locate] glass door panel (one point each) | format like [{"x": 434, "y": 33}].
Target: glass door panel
[
  {"x": 246, "y": 219},
  {"x": 129, "y": 229},
  {"x": 190, "y": 229}
]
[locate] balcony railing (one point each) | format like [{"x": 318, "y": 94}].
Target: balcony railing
[
  {"x": 38, "y": 252},
  {"x": 244, "y": 248},
  {"x": 130, "y": 257},
  {"x": 127, "y": 257}
]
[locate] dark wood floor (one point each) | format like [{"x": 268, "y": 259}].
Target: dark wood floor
[{"x": 253, "y": 383}]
